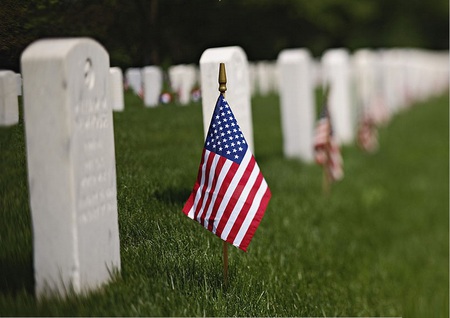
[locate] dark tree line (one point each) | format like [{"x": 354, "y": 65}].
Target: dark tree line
[{"x": 163, "y": 32}]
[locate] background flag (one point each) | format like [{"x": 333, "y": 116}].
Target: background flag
[
  {"x": 230, "y": 195},
  {"x": 326, "y": 149},
  {"x": 368, "y": 133}
]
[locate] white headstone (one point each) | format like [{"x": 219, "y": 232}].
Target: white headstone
[
  {"x": 152, "y": 82},
  {"x": 297, "y": 103},
  {"x": 9, "y": 105},
  {"x": 19, "y": 84},
  {"x": 134, "y": 80},
  {"x": 183, "y": 79},
  {"x": 116, "y": 89},
  {"x": 336, "y": 74},
  {"x": 238, "y": 86},
  {"x": 71, "y": 164}
]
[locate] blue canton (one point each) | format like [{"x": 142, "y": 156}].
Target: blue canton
[{"x": 224, "y": 137}]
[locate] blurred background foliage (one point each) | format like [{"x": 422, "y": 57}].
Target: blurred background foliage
[{"x": 164, "y": 32}]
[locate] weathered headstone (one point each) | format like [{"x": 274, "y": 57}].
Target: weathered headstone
[
  {"x": 116, "y": 89},
  {"x": 134, "y": 80},
  {"x": 336, "y": 74},
  {"x": 297, "y": 103},
  {"x": 152, "y": 82},
  {"x": 71, "y": 164},
  {"x": 9, "y": 105},
  {"x": 238, "y": 84}
]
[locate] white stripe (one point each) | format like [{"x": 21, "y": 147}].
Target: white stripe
[
  {"x": 251, "y": 213},
  {"x": 233, "y": 184},
  {"x": 242, "y": 199},
  {"x": 198, "y": 193},
  {"x": 226, "y": 167},
  {"x": 212, "y": 171}
]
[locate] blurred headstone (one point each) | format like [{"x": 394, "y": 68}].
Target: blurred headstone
[
  {"x": 238, "y": 86},
  {"x": 297, "y": 103},
  {"x": 152, "y": 81},
  {"x": 9, "y": 105},
  {"x": 116, "y": 89},
  {"x": 183, "y": 79},
  {"x": 134, "y": 80},
  {"x": 336, "y": 74},
  {"x": 71, "y": 165}
]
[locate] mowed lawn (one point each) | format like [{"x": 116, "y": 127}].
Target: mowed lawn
[{"x": 377, "y": 246}]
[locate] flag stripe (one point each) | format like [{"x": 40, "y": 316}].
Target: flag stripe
[
  {"x": 230, "y": 191},
  {"x": 260, "y": 207},
  {"x": 243, "y": 193},
  {"x": 211, "y": 170},
  {"x": 245, "y": 207}
]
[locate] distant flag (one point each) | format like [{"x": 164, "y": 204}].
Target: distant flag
[
  {"x": 230, "y": 195},
  {"x": 326, "y": 149},
  {"x": 368, "y": 133}
]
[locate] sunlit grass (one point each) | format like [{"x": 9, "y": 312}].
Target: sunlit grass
[{"x": 378, "y": 246}]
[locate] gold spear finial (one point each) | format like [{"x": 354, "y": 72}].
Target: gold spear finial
[{"x": 222, "y": 78}]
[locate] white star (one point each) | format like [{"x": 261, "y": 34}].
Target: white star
[
  {"x": 234, "y": 150},
  {"x": 226, "y": 126},
  {"x": 240, "y": 149},
  {"x": 228, "y": 132},
  {"x": 217, "y": 116},
  {"x": 236, "y": 156},
  {"x": 226, "y": 145},
  {"x": 232, "y": 144},
  {"x": 228, "y": 152},
  {"x": 220, "y": 148}
]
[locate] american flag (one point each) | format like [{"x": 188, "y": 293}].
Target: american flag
[
  {"x": 326, "y": 149},
  {"x": 367, "y": 133},
  {"x": 230, "y": 195}
]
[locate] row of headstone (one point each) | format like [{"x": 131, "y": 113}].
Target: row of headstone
[
  {"x": 148, "y": 82},
  {"x": 381, "y": 82}
]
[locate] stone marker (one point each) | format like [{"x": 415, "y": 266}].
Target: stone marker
[
  {"x": 19, "y": 84},
  {"x": 134, "y": 80},
  {"x": 116, "y": 89},
  {"x": 9, "y": 105},
  {"x": 152, "y": 82},
  {"x": 238, "y": 86},
  {"x": 336, "y": 73},
  {"x": 71, "y": 164},
  {"x": 297, "y": 103},
  {"x": 183, "y": 79}
]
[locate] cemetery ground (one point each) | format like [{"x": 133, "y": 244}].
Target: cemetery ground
[{"x": 377, "y": 246}]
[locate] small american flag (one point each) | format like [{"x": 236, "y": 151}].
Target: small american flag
[
  {"x": 230, "y": 195},
  {"x": 367, "y": 133},
  {"x": 326, "y": 149}
]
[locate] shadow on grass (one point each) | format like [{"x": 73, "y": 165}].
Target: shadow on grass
[
  {"x": 16, "y": 276},
  {"x": 173, "y": 195}
]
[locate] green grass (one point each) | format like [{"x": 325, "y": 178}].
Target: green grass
[{"x": 378, "y": 246}]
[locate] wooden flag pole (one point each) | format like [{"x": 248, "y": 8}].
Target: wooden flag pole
[{"x": 222, "y": 90}]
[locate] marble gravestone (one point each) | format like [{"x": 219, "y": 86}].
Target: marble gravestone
[
  {"x": 297, "y": 103},
  {"x": 336, "y": 73},
  {"x": 152, "y": 84},
  {"x": 134, "y": 80},
  {"x": 9, "y": 105},
  {"x": 71, "y": 165},
  {"x": 238, "y": 86},
  {"x": 116, "y": 89}
]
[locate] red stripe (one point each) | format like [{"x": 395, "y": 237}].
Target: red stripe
[
  {"x": 204, "y": 185},
  {"x": 246, "y": 207},
  {"x": 220, "y": 194},
  {"x": 256, "y": 220},
  {"x": 190, "y": 202},
  {"x": 219, "y": 166},
  {"x": 235, "y": 197}
]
